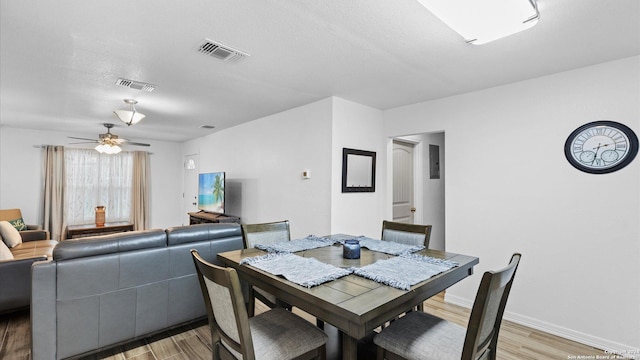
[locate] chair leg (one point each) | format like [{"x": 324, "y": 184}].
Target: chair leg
[
  {"x": 320, "y": 324},
  {"x": 251, "y": 305},
  {"x": 322, "y": 352},
  {"x": 380, "y": 353}
]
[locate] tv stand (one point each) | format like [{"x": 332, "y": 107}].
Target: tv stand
[{"x": 202, "y": 217}]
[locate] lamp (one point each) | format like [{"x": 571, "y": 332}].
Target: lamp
[
  {"x": 108, "y": 149},
  {"x": 130, "y": 116},
  {"x": 480, "y": 22}
]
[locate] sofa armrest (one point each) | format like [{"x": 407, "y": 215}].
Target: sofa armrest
[
  {"x": 32, "y": 235},
  {"x": 43, "y": 310},
  {"x": 15, "y": 277}
]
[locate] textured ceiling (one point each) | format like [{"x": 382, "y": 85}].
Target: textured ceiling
[{"x": 60, "y": 59}]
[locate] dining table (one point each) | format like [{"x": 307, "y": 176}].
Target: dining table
[{"x": 353, "y": 304}]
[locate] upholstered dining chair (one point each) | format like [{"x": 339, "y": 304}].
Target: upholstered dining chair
[
  {"x": 408, "y": 234},
  {"x": 265, "y": 234},
  {"x": 419, "y": 335},
  {"x": 274, "y": 335}
]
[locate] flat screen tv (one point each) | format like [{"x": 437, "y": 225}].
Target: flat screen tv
[{"x": 211, "y": 192}]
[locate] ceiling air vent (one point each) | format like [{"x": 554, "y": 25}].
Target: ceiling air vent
[
  {"x": 220, "y": 51},
  {"x": 207, "y": 127},
  {"x": 138, "y": 85}
]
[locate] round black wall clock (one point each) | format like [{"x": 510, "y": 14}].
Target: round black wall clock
[{"x": 601, "y": 147}]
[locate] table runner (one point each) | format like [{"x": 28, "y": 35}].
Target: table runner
[
  {"x": 308, "y": 243},
  {"x": 387, "y": 247},
  {"x": 306, "y": 272},
  {"x": 405, "y": 270}
]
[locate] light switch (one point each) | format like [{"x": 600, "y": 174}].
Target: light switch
[{"x": 306, "y": 174}]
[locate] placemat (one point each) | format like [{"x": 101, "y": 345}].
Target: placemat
[
  {"x": 307, "y": 243},
  {"x": 307, "y": 272},
  {"x": 387, "y": 247},
  {"x": 405, "y": 270}
]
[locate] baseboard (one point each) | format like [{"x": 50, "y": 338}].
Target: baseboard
[{"x": 608, "y": 346}]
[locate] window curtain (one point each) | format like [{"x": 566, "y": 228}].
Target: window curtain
[
  {"x": 140, "y": 191},
  {"x": 53, "y": 192},
  {"x": 94, "y": 179}
]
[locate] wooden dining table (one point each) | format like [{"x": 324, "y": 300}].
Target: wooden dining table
[{"x": 353, "y": 304}]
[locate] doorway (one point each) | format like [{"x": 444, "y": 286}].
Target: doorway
[{"x": 427, "y": 180}]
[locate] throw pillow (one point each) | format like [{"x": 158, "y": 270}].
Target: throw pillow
[
  {"x": 9, "y": 234},
  {"x": 5, "y": 253},
  {"x": 18, "y": 224}
]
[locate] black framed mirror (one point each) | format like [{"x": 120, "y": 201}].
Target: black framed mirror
[{"x": 358, "y": 170}]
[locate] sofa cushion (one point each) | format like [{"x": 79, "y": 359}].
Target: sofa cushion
[
  {"x": 18, "y": 224},
  {"x": 9, "y": 234},
  {"x": 5, "y": 253},
  {"x": 35, "y": 248}
]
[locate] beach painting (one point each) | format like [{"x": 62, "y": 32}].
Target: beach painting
[{"x": 211, "y": 192}]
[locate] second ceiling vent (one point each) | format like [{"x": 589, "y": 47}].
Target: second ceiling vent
[{"x": 220, "y": 51}]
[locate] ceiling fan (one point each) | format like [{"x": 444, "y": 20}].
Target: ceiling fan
[{"x": 108, "y": 143}]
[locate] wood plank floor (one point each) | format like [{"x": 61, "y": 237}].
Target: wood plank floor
[{"x": 192, "y": 342}]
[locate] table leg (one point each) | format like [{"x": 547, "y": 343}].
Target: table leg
[{"x": 349, "y": 347}]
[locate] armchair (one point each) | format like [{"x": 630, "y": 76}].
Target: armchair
[{"x": 31, "y": 233}]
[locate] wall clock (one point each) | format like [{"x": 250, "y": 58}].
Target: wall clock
[{"x": 601, "y": 147}]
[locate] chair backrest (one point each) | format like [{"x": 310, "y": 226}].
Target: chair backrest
[
  {"x": 265, "y": 233},
  {"x": 481, "y": 340},
  {"x": 10, "y": 214},
  {"x": 408, "y": 234},
  {"x": 228, "y": 319}
]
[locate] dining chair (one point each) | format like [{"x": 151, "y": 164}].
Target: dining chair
[
  {"x": 265, "y": 234},
  {"x": 408, "y": 234},
  {"x": 276, "y": 334},
  {"x": 419, "y": 335}
]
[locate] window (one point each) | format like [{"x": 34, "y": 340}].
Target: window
[{"x": 94, "y": 179}]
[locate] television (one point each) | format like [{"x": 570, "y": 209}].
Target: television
[{"x": 211, "y": 192}]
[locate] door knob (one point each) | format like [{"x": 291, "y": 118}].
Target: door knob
[
  {"x": 413, "y": 209},
  {"x": 194, "y": 204}
]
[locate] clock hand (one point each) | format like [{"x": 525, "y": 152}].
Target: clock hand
[
  {"x": 596, "y": 156},
  {"x": 599, "y": 146}
]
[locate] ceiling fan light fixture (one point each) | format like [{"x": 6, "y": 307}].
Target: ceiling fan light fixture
[
  {"x": 480, "y": 22},
  {"x": 108, "y": 149},
  {"x": 129, "y": 116}
]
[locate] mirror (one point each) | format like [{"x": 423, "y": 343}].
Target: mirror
[{"x": 358, "y": 170}]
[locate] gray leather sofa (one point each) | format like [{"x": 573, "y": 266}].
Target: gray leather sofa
[
  {"x": 15, "y": 274},
  {"x": 102, "y": 291}
]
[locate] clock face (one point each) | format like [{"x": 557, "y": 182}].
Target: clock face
[{"x": 601, "y": 147}]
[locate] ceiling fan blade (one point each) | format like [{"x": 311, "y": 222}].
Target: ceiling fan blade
[
  {"x": 88, "y": 142},
  {"x": 79, "y": 138},
  {"x": 137, "y": 143}
]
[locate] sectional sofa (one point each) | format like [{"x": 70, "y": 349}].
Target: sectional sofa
[{"x": 101, "y": 291}]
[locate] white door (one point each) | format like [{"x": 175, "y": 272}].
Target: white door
[
  {"x": 403, "y": 204},
  {"x": 190, "y": 190}
]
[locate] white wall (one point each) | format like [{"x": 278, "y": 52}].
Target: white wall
[
  {"x": 264, "y": 160},
  {"x": 509, "y": 188},
  {"x": 356, "y": 126},
  {"x": 21, "y": 174}
]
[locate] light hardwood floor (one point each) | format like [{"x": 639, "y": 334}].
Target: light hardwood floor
[{"x": 516, "y": 342}]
